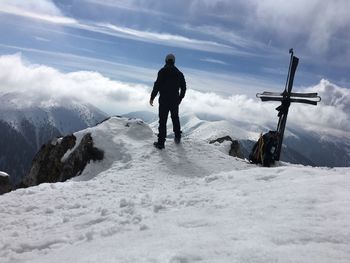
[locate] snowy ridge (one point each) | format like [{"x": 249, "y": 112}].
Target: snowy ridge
[
  {"x": 187, "y": 203},
  {"x": 301, "y": 146},
  {"x": 209, "y": 128}
]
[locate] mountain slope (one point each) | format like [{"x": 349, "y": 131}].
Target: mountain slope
[
  {"x": 26, "y": 124},
  {"x": 187, "y": 203}
]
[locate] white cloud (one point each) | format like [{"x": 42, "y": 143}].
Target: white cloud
[
  {"x": 316, "y": 21},
  {"x": 334, "y": 109},
  {"x": 127, "y": 5},
  {"x": 42, "y": 39},
  {"x": 44, "y": 10},
  {"x": 331, "y": 115},
  {"x": 45, "y": 83}
]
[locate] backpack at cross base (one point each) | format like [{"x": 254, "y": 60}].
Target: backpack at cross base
[{"x": 264, "y": 150}]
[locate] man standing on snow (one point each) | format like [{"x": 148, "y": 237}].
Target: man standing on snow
[{"x": 169, "y": 82}]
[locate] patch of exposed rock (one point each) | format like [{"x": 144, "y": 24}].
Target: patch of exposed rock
[
  {"x": 5, "y": 184},
  {"x": 235, "y": 149},
  {"x": 48, "y": 166}
]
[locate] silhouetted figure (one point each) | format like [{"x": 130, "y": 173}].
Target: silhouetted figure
[{"x": 171, "y": 86}]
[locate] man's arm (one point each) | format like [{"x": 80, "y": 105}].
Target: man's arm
[
  {"x": 182, "y": 86},
  {"x": 155, "y": 89}
]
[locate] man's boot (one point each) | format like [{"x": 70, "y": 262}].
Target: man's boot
[
  {"x": 177, "y": 138},
  {"x": 159, "y": 145}
]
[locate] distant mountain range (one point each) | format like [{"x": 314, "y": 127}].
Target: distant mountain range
[{"x": 26, "y": 124}]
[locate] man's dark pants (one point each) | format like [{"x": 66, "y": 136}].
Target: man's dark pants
[{"x": 163, "y": 117}]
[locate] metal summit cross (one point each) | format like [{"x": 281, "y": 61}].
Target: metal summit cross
[{"x": 286, "y": 97}]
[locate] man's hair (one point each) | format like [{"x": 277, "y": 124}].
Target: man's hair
[{"x": 170, "y": 58}]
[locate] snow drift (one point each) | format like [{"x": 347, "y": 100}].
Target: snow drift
[{"x": 187, "y": 203}]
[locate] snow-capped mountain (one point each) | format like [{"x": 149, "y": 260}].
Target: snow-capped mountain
[
  {"x": 187, "y": 203},
  {"x": 28, "y": 121}
]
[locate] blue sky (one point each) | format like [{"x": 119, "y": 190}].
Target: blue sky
[{"x": 243, "y": 42}]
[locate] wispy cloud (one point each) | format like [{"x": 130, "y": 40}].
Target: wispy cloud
[
  {"x": 215, "y": 61},
  {"x": 42, "y": 39},
  {"x": 46, "y": 11},
  {"x": 127, "y": 5},
  {"x": 221, "y": 33},
  {"x": 268, "y": 25},
  {"x": 39, "y": 10},
  {"x": 253, "y": 26},
  {"x": 158, "y": 38}
]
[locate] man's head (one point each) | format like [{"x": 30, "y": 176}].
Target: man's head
[{"x": 170, "y": 59}]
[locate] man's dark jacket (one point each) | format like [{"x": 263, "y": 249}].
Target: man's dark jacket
[{"x": 168, "y": 83}]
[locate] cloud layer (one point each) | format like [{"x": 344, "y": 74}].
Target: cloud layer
[
  {"x": 240, "y": 26},
  {"x": 313, "y": 27},
  {"x": 45, "y": 83}
]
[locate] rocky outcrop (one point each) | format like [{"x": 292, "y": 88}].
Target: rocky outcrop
[
  {"x": 5, "y": 185},
  {"x": 80, "y": 157},
  {"x": 49, "y": 166},
  {"x": 235, "y": 149}
]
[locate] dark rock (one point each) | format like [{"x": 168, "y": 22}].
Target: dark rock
[
  {"x": 221, "y": 140},
  {"x": 48, "y": 166},
  {"x": 235, "y": 149},
  {"x": 80, "y": 157},
  {"x": 5, "y": 184}
]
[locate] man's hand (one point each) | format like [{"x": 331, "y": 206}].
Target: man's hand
[{"x": 151, "y": 102}]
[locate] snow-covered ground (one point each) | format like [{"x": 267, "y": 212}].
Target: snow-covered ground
[{"x": 187, "y": 203}]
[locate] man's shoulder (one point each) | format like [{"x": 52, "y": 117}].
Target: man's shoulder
[
  {"x": 169, "y": 69},
  {"x": 180, "y": 73},
  {"x": 163, "y": 69}
]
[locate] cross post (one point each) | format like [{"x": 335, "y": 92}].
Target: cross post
[{"x": 286, "y": 98}]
